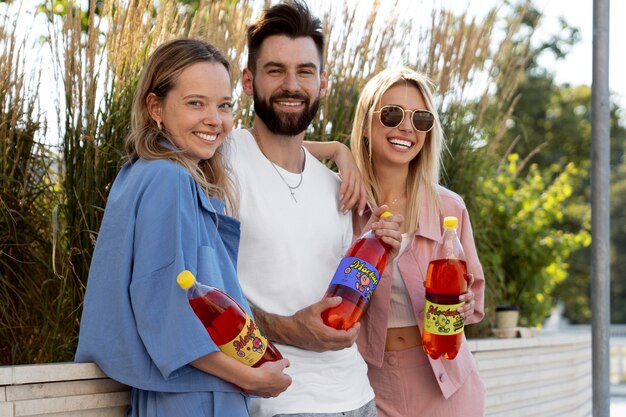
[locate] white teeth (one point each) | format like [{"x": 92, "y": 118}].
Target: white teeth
[
  {"x": 210, "y": 138},
  {"x": 400, "y": 142},
  {"x": 289, "y": 103}
]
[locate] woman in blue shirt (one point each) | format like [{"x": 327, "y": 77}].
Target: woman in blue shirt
[{"x": 166, "y": 213}]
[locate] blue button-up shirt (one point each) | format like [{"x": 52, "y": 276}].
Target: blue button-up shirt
[{"x": 137, "y": 324}]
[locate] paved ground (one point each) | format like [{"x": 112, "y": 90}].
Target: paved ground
[
  {"x": 618, "y": 400},
  {"x": 618, "y": 406}
]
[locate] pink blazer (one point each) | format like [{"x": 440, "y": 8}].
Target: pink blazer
[{"x": 413, "y": 264}]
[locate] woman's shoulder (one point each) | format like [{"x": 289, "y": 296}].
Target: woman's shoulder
[
  {"x": 449, "y": 198},
  {"x": 159, "y": 178},
  {"x": 163, "y": 166},
  {"x": 159, "y": 171}
]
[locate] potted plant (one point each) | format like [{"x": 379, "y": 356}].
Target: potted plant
[
  {"x": 507, "y": 319},
  {"x": 507, "y": 316}
]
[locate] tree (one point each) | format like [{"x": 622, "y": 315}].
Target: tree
[
  {"x": 618, "y": 242},
  {"x": 552, "y": 124}
]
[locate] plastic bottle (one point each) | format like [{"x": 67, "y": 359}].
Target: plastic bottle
[
  {"x": 230, "y": 327},
  {"x": 355, "y": 280},
  {"x": 446, "y": 279}
]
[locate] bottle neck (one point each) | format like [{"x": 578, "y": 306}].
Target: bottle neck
[
  {"x": 451, "y": 246},
  {"x": 198, "y": 290}
]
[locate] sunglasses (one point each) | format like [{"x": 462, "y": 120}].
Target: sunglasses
[{"x": 392, "y": 116}]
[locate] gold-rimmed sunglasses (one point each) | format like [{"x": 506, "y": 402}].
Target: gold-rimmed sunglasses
[{"x": 392, "y": 115}]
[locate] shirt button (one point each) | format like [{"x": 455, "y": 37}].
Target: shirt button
[
  {"x": 443, "y": 377},
  {"x": 392, "y": 361}
]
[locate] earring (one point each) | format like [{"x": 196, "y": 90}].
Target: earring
[{"x": 159, "y": 124}]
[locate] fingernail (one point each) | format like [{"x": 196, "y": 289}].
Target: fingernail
[{"x": 361, "y": 213}]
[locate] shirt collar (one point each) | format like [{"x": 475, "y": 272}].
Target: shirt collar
[
  {"x": 211, "y": 204},
  {"x": 428, "y": 224}
]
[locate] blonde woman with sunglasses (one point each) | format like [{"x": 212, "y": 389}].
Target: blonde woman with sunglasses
[{"x": 396, "y": 143}]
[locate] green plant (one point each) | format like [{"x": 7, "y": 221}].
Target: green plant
[
  {"x": 33, "y": 313},
  {"x": 525, "y": 247}
]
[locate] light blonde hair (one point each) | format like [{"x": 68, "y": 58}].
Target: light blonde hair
[
  {"x": 159, "y": 76},
  {"x": 424, "y": 169}
]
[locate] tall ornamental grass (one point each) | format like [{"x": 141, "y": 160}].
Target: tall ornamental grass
[
  {"x": 99, "y": 47},
  {"x": 33, "y": 308}
]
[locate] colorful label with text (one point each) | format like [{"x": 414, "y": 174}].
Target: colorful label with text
[
  {"x": 249, "y": 346},
  {"x": 443, "y": 319},
  {"x": 357, "y": 274}
]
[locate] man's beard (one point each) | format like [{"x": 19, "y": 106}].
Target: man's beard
[{"x": 286, "y": 124}]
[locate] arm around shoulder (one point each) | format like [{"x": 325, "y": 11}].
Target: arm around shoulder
[
  {"x": 352, "y": 193},
  {"x": 326, "y": 150}
]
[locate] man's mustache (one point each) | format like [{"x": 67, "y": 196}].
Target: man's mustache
[{"x": 294, "y": 96}]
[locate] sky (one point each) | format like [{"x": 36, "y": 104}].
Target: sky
[{"x": 577, "y": 66}]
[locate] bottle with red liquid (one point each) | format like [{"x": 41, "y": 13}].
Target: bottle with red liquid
[
  {"x": 230, "y": 327},
  {"x": 355, "y": 280},
  {"x": 446, "y": 279}
]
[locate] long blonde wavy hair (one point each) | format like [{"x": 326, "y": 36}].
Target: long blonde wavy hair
[
  {"x": 159, "y": 76},
  {"x": 424, "y": 169}
]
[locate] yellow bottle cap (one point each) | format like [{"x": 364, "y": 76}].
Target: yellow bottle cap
[
  {"x": 185, "y": 279},
  {"x": 450, "y": 222},
  {"x": 385, "y": 214}
]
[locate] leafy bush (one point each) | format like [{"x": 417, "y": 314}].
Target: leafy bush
[{"x": 525, "y": 242}]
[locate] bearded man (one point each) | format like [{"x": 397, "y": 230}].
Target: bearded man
[{"x": 293, "y": 232}]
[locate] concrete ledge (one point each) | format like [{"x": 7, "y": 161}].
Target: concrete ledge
[
  {"x": 60, "y": 389},
  {"x": 538, "y": 376}
]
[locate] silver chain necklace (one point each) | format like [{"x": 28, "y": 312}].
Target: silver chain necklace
[{"x": 289, "y": 187}]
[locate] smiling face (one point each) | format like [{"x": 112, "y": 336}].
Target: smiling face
[
  {"x": 287, "y": 84},
  {"x": 401, "y": 144},
  {"x": 197, "y": 112}
]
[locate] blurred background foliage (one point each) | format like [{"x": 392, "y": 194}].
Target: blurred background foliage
[{"x": 518, "y": 143}]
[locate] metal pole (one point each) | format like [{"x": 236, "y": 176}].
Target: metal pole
[{"x": 600, "y": 211}]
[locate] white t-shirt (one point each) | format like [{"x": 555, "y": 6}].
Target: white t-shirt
[{"x": 288, "y": 254}]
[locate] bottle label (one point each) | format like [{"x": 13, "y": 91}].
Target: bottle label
[
  {"x": 357, "y": 274},
  {"x": 443, "y": 319},
  {"x": 249, "y": 346}
]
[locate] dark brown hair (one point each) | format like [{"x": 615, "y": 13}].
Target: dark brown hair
[{"x": 292, "y": 19}]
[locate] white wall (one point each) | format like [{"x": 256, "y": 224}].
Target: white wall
[{"x": 548, "y": 375}]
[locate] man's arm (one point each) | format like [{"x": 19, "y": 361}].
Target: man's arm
[{"x": 305, "y": 329}]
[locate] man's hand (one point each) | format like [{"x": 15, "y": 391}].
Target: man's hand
[{"x": 305, "y": 329}]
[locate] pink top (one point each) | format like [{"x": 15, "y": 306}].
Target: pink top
[{"x": 413, "y": 264}]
